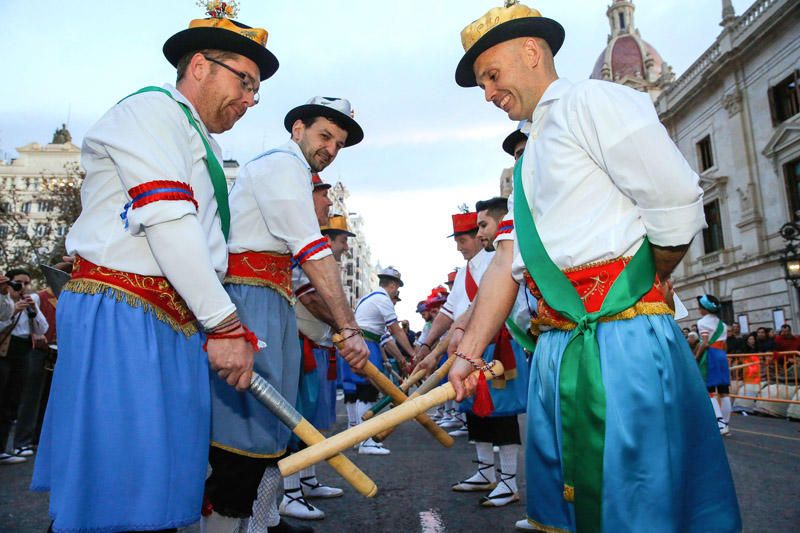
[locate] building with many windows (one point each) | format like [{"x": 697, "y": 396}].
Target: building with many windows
[
  {"x": 28, "y": 207},
  {"x": 359, "y": 275},
  {"x": 735, "y": 116}
]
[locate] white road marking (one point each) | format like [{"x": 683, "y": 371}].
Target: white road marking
[{"x": 431, "y": 522}]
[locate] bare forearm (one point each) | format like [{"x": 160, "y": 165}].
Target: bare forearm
[
  {"x": 400, "y": 337},
  {"x": 666, "y": 258},
  {"x": 325, "y": 277},
  {"x": 493, "y": 304},
  {"x": 317, "y": 307}
]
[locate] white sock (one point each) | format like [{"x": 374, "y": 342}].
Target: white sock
[
  {"x": 291, "y": 482},
  {"x": 725, "y": 405},
  {"x": 509, "y": 453},
  {"x": 352, "y": 417},
  {"x": 309, "y": 475},
  {"x": 715, "y": 405},
  {"x": 485, "y": 452},
  {"x": 265, "y": 508}
]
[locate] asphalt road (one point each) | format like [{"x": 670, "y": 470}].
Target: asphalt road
[{"x": 415, "y": 496}]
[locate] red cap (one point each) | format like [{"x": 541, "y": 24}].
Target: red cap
[
  {"x": 464, "y": 223},
  {"x": 317, "y": 182}
]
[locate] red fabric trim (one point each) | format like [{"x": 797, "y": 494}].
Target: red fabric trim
[
  {"x": 592, "y": 283},
  {"x": 470, "y": 285},
  {"x": 505, "y": 227},
  {"x": 155, "y": 290},
  {"x": 309, "y": 363},
  {"x": 275, "y": 269},
  {"x": 187, "y": 195},
  {"x": 301, "y": 256},
  {"x": 503, "y": 351},
  {"x": 331, "y": 364}
]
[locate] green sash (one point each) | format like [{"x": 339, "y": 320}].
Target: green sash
[
  {"x": 214, "y": 168},
  {"x": 702, "y": 362},
  {"x": 520, "y": 336},
  {"x": 581, "y": 389},
  {"x": 370, "y": 336}
]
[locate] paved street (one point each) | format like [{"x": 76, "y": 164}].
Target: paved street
[{"x": 414, "y": 486}]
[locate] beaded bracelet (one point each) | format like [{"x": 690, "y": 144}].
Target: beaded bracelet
[
  {"x": 472, "y": 362},
  {"x": 356, "y": 332}
]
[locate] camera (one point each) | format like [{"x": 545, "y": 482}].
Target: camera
[{"x": 16, "y": 285}]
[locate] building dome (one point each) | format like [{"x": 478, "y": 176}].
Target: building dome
[{"x": 628, "y": 59}]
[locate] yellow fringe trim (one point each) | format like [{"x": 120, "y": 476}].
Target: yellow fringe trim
[
  {"x": 639, "y": 308},
  {"x": 569, "y": 493},
  {"x": 90, "y": 286},
  {"x": 257, "y": 282},
  {"x": 247, "y": 454},
  {"x": 546, "y": 529},
  {"x": 595, "y": 264}
]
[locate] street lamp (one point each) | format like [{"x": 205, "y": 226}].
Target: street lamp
[{"x": 790, "y": 256}]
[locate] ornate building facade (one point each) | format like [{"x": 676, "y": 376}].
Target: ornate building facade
[
  {"x": 28, "y": 207},
  {"x": 735, "y": 115}
]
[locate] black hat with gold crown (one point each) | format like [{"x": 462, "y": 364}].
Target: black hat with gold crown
[
  {"x": 219, "y": 32},
  {"x": 501, "y": 24}
]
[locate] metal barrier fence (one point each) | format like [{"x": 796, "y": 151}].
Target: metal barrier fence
[{"x": 766, "y": 382}]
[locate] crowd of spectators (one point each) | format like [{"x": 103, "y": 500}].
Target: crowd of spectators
[
  {"x": 762, "y": 340},
  {"x": 27, "y": 356}
]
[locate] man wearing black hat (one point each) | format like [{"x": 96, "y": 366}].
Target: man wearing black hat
[
  {"x": 274, "y": 228},
  {"x": 603, "y": 203},
  {"x": 514, "y": 143},
  {"x": 150, "y": 255}
]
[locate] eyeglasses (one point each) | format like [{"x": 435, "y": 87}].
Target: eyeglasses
[{"x": 244, "y": 79}]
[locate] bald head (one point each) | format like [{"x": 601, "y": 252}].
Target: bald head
[{"x": 514, "y": 74}]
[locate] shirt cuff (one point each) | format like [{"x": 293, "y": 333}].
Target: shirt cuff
[
  {"x": 308, "y": 288},
  {"x": 447, "y": 312},
  {"x": 313, "y": 249},
  {"x": 674, "y": 226}
]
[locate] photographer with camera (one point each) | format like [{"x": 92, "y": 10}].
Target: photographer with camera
[
  {"x": 18, "y": 334},
  {"x": 6, "y": 303}
]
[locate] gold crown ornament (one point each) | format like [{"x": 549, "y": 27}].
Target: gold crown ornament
[
  {"x": 337, "y": 224},
  {"x": 220, "y": 32},
  {"x": 501, "y": 24}
]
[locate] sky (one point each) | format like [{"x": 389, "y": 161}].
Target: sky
[{"x": 429, "y": 145}]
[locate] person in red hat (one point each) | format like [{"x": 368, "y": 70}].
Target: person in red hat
[
  {"x": 604, "y": 208},
  {"x": 146, "y": 295}
]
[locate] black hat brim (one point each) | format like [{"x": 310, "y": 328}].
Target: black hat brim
[
  {"x": 398, "y": 280},
  {"x": 354, "y": 132},
  {"x": 548, "y": 29},
  {"x": 514, "y": 138},
  {"x": 334, "y": 232},
  {"x": 194, "y": 39}
]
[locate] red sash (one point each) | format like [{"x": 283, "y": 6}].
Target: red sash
[
  {"x": 331, "y": 364},
  {"x": 152, "y": 293},
  {"x": 470, "y": 285},
  {"x": 504, "y": 352},
  {"x": 309, "y": 363},
  {"x": 262, "y": 269}
]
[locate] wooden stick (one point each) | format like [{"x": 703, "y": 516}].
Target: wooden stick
[
  {"x": 386, "y": 400},
  {"x": 385, "y": 385},
  {"x": 344, "y": 440},
  {"x": 427, "y": 385},
  {"x": 286, "y": 413}
]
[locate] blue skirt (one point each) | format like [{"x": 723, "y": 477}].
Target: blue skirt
[
  {"x": 314, "y": 397},
  {"x": 351, "y": 379},
  {"x": 511, "y": 399},
  {"x": 124, "y": 444},
  {"x": 718, "y": 370},
  {"x": 664, "y": 465},
  {"x": 239, "y": 422}
]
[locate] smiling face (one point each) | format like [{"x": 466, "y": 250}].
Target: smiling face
[
  {"x": 338, "y": 245},
  {"x": 217, "y": 93},
  {"x": 514, "y": 74},
  {"x": 320, "y": 142}
]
